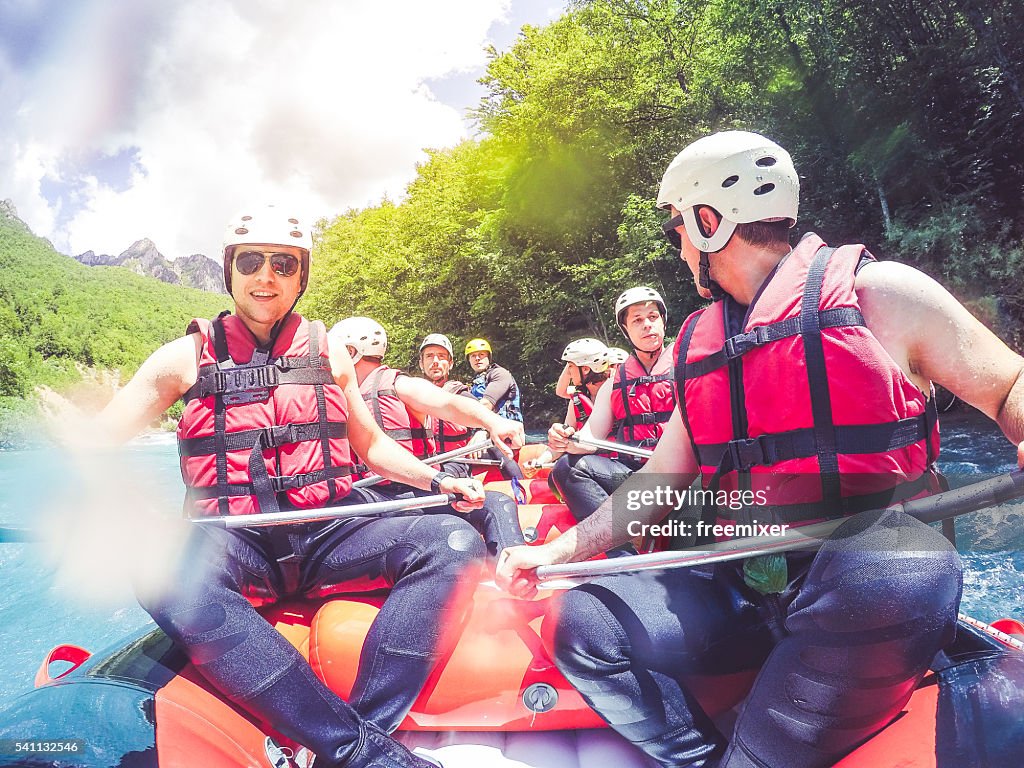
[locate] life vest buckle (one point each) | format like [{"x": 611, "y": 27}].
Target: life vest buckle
[
  {"x": 759, "y": 451},
  {"x": 246, "y": 384},
  {"x": 281, "y": 483},
  {"x": 740, "y": 344}
]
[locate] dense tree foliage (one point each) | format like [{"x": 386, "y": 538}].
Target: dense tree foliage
[
  {"x": 60, "y": 319},
  {"x": 905, "y": 121}
]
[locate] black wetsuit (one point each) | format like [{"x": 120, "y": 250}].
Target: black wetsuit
[
  {"x": 842, "y": 647},
  {"x": 420, "y": 558}
]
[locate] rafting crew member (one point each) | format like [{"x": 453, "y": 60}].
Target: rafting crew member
[
  {"x": 264, "y": 380},
  {"x": 631, "y": 407},
  {"x": 493, "y": 385},
  {"x": 813, "y": 368},
  {"x": 497, "y": 390},
  {"x": 436, "y": 360},
  {"x": 589, "y": 363},
  {"x": 403, "y": 406}
]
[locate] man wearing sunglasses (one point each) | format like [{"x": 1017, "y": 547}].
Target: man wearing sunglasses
[
  {"x": 808, "y": 379},
  {"x": 273, "y": 416}
]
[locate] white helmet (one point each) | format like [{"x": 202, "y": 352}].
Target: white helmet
[
  {"x": 437, "y": 340},
  {"x": 366, "y": 336},
  {"x": 742, "y": 175},
  {"x": 639, "y": 295},
  {"x": 589, "y": 352},
  {"x": 617, "y": 356},
  {"x": 267, "y": 225}
]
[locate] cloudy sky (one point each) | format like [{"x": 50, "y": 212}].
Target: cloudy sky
[{"x": 149, "y": 118}]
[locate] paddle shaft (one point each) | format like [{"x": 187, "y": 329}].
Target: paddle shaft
[
  {"x": 372, "y": 509},
  {"x": 440, "y": 458},
  {"x": 608, "y": 445},
  {"x": 930, "y": 509}
]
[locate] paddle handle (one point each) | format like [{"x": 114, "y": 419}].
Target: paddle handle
[{"x": 610, "y": 445}]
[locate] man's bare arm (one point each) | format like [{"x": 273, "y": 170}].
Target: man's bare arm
[
  {"x": 160, "y": 381},
  {"x": 673, "y": 461},
  {"x": 935, "y": 338}
]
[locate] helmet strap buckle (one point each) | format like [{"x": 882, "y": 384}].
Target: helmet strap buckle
[{"x": 705, "y": 278}]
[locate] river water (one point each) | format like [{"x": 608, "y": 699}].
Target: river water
[{"x": 44, "y": 601}]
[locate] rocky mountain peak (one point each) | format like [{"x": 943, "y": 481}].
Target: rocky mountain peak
[{"x": 144, "y": 258}]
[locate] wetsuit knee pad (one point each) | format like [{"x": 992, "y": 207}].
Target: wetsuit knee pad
[
  {"x": 560, "y": 472},
  {"x": 445, "y": 540},
  {"x": 585, "y": 639},
  {"x": 882, "y": 571}
]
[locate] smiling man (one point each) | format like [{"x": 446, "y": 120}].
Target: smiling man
[{"x": 273, "y": 416}]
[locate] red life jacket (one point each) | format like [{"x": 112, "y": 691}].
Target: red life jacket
[
  {"x": 802, "y": 402},
  {"x": 449, "y": 436},
  {"x": 263, "y": 429},
  {"x": 642, "y": 401},
  {"x": 582, "y": 406},
  {"x": 392, "y": 415}
]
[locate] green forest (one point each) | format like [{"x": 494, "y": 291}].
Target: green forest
[
  {"x": 63, "y": 323},
  {"x": 905, "y": 121}
]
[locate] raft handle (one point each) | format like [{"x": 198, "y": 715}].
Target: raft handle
[{"x": 74, "y": 654}]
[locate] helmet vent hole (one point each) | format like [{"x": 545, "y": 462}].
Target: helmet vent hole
[
  {"x": 295, "y": 233},
  {"x": 294, "y": 222},
  {"x": 765, "y": 162},
  {"x": 764, "y": 189},
  {"x": 241, "y": 231},
  {"x": 247, "y": 218},
  {"x": 730, "y": 181}
]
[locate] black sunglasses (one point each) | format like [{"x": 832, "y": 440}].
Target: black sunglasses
[
  {"x": 669, "y": 228},
  {"x": 251, "y": 262}
]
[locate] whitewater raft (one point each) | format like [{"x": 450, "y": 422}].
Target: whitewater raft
[{"x": 496, "y": 699}]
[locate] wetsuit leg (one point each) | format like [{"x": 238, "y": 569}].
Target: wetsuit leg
[
  {"x": 498, "y": 522},
  {"x": 878, "y": 602},
  {"x": 457, "y": 469},
  {"x": 248, "y": 661},
  {"x": 587, "y": 480},
  {"x": 424, "y": 560},
  {"x": 625, "y": 643}
]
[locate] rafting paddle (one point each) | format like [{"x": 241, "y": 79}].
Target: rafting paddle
[
  {"x": 372, "y": 509},
  {"x": 465, "y": 450},
  {"x": 929, "y": 509},
  {"x": 9, "y": 535},
  {"x": 608, "y": 445}
]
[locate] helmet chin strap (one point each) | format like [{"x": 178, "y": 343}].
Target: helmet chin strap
[{"x": 705, "y": 278}]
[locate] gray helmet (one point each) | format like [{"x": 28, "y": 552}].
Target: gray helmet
[{"x": 437, "y": 340}]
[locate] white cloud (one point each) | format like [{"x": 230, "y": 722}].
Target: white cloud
[{"x": 224, "y": 102}]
